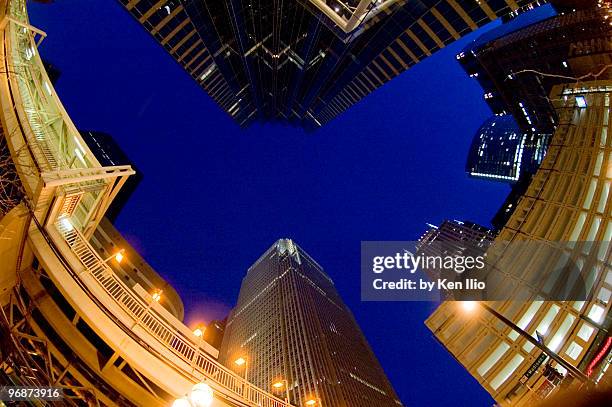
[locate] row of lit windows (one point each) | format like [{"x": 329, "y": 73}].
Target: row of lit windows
[
  {"x": 568, "y": 327},
  {"x": 438, "y": 27}
]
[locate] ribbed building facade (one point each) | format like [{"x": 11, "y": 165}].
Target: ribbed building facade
[
  {"x": 290, "y": 324},
  {"x": 305, "y": 62},
  {"x": 567, "y": 205}
]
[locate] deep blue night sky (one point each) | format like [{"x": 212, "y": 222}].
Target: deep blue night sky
[{"x": 215, "y": 197}]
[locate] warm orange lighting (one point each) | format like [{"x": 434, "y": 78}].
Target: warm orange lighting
[
  {"x": 199, "y": 331},
  {"x": 278, "y": 385},
  {"x": 311, "y": 402},
  {"x": 157, "y": 295},
  {"x": 119, "y": 256},
  {"x": 468, "y": 305},
  {"x": 240, "y": 361}
]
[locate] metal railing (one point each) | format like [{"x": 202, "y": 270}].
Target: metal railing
[
  {"x": 166, "y": 333},
  {"x": 53, "y": 138},
  {"x": 23, "y": 70}
]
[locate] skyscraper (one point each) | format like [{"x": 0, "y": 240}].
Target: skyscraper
[
  {"x": 305, "y": 62},
  {"x": 556, "y": 210},
  {"x": 455, "y": 233},
  {"x": 453, "y": 238},
  {"x": 508, "y": 61},
  {"x": 500, "y": 151},
  {"x": 109, "y": 154},
  {"x": 291, "y": 326}
]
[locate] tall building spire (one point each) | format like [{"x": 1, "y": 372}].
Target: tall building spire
[{"x": 291, "y": 328}]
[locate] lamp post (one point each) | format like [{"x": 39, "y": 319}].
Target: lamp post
[
  {"x": 201, "y": 395},
  {"x": 571, "y": 369},
  {"x": 198, "y": 332},
  {"x": 243, "y": 360},
  {"x": 313, "y": 402},
  {"x": 279, "y": 384},
  {"x": 117, "y": 256}
]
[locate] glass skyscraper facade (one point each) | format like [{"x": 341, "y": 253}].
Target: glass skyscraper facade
[
  {"x": 291, "y": 324},
  {"x": 305, "y": 62},
  {"x": 501, "y": 151}
]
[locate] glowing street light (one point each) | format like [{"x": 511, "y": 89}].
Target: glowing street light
[
  {"x": 279, "y": 384},
  {"x": 157, "y": 295},
  {"x": 201, "y": 395},
  {"x": 243, "y": 360},
  {"x": 182, "y": 402},
  {"x": 119, "y": 256},
  {"x": 199, "y": 331},
  {"x": 311, "y": 402},
  {"x": 468, "y": 306}
]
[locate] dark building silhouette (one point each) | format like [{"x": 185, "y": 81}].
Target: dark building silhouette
[
  {"x": 290, "y": 324},
  {"x": 214, "y": 332},
  {"x": 109, "y": 153},
  {"x": 305, "y": 62},
  {"x": 518, "y": 63}
]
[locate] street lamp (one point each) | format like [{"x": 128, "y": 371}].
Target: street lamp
[
  {"x": 279, "y": 384},
  {"x": 182, "y": 402},
  {"x": 577, "y": 373},
  {"x": 313, "y": 402},
  {"x": 117, "y": 256},
  {"x": 468, "y": 306},
  {"x": 201, "y": 395},
  {"x": 199, "y": 330},
  {"x": 243, "y": 360},
  {"x": 157, "y": 295}
]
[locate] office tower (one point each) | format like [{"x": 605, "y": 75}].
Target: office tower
[
  {"x": 290, "y": 326},
  {"x": 565, "y": 202},
  {"x": 518, "y": 63},
  {"x": 214, "y": 333},
  {"x": 305, "y": 62},
  {"x": 79, "y": 307},
  {"x": 500, "y": 151},
  {"x": 454, "y": 233},
  {"x": 453, "y": 238},
  {"x": 505, "y": 61},
  {"x": 109, "y": 154}
]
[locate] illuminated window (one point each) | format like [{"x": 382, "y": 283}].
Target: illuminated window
[
  {"x": 585, "y": 332},
  {"x": 493, "y": 358},
  {"x": 505, "y": 373},
  {"x": 555, "y": 342},
  {"x": 574, "y": 350},
  {"x": 596, "y": 313}
]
